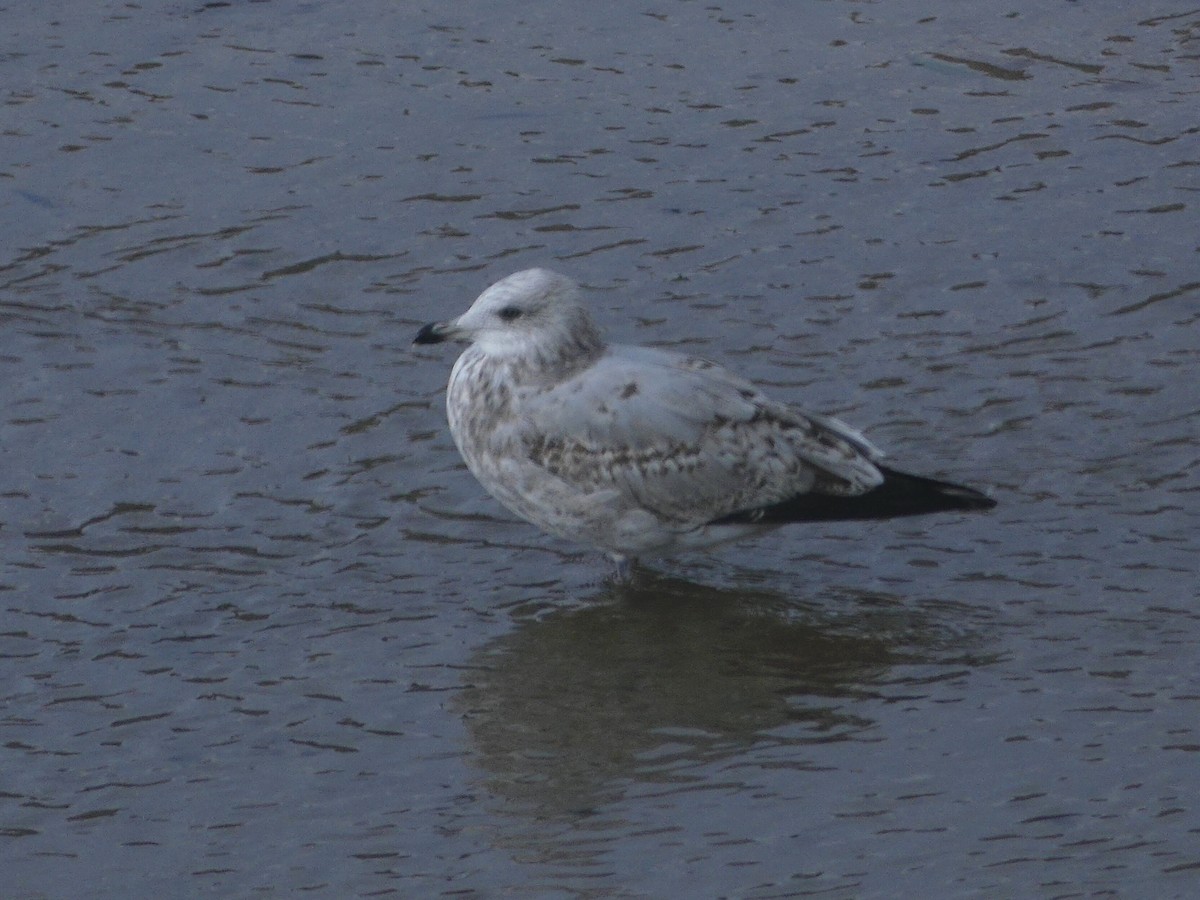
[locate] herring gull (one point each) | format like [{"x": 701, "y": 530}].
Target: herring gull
[{"x": 638, "y": 451}]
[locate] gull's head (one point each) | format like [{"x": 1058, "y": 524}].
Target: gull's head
[{"x": 534, "y": 313}]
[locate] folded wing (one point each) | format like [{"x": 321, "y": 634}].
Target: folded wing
[{"x": 689, "y": 441}]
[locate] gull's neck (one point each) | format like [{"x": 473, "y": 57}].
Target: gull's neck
[{"x": 558, "y": 355}]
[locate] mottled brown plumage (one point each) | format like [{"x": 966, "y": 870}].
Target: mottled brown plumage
[{"x": 639, "y": 451}]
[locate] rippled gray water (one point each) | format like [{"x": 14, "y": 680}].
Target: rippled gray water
[{"x": 263, "y": 635}]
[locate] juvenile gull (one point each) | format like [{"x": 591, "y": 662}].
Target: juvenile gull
[{"x": 644, "y": 452}]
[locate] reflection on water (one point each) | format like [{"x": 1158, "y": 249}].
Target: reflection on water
[{"x": 659, "y": 677}]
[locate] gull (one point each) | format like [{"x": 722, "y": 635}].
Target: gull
[{"x": 643, "y": 452}]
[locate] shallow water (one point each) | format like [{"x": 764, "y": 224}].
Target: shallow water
[{"x": 262, "y": 632}]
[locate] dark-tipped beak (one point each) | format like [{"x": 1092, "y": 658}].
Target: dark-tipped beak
[{"x": 433, "y": 333}]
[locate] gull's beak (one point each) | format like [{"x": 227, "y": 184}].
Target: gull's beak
[{"x": 434, "y": 333}]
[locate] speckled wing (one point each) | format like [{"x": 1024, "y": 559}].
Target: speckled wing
[{"x": 687, "y": 440}]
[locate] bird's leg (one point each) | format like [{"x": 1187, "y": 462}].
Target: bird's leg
[{"x": 622, "y": 567}]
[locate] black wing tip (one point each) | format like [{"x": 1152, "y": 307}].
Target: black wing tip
[
  {"x": 939, "y": 495},
  {"x": 900, "y": 494}
]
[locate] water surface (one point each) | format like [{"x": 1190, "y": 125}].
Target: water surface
[{"x": 264, "y": 635}]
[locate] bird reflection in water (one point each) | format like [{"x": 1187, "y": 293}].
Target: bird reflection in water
[{"x": 660, "y": 676}]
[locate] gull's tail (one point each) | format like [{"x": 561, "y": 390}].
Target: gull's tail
[{"x": 900, "y": 494}]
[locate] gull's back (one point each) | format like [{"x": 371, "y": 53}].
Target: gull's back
[{"x": 685, "y": 439}]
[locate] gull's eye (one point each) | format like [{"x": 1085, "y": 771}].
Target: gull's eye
[{"x": 509, "y": 313}]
